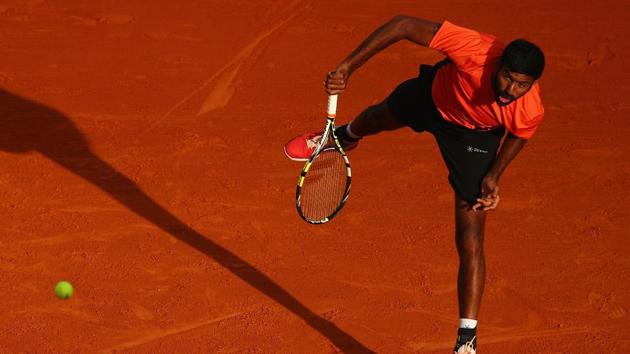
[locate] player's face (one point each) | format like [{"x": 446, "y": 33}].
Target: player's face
[{"x": 510, "y": 85}]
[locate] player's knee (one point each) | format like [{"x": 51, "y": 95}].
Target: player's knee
[
  {"x": 379, "y": 117},
  {"x": 470, "y": 242},
  {"x": 372, "y": 116}
]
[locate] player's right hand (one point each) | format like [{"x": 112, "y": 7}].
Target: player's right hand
[{"x": 336, "y": 81}]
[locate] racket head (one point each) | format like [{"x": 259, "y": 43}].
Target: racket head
[{"x": 324, "y": 184}]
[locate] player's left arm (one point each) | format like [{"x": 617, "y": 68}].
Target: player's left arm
[{"x": 490, "y": 183}]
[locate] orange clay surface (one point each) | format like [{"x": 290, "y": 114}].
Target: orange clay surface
[{"x": 141, "y": 159}]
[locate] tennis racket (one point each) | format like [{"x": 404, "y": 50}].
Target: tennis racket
[{"x": 324, "y": 184}]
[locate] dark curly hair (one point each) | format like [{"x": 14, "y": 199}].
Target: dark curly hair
[{"x": 524, "y": 57}]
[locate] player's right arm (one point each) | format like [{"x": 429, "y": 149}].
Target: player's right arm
[{"x": 398, "y": 28}]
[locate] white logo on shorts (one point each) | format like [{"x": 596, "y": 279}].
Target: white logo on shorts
[{"x": 474, "y": 149}]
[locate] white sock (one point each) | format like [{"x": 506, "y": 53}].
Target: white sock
[
  {"x": 350, "y": 133},
  {"x": 467, "y": 323}
]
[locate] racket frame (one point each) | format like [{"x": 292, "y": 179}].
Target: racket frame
[{"x": 329, "y": 132}]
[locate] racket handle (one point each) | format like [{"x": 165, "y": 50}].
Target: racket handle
[{"x": 332, "y": 106}]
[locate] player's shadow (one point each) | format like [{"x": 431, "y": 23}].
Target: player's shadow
[{"x": 26, "y": 126}]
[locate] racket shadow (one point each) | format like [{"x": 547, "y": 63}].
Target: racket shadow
[{"x": 26, "y": 126}]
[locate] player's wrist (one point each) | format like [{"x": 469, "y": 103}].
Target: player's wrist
[
  {"x": 493, "y": 175},
  {"x": 343, "y": 70}
]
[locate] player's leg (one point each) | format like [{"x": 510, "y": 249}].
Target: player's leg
[
  {"x": 372, "y": 120},
  {"x": 410, "y": 104},
  {"x": 403, "y": 107},
  {"x": 375, "y": 119},
  {"x": 468, "y": 155},
  {"x": 469, "y": 232}
]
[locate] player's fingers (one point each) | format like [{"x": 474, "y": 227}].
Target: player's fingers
[
  {"x": 335, "y": 85},
  {"x": 476, "y": 206},
  {"x": 496, "y": 202},
  {"x": 335, "y": 77},
  {"x": 484, "y": 201},
  {"x": 334, "y": 74},
  {"x": 333, "y": 92},
  {"x": 482, "y": 204},
  {"x": 490, "y": 197},
  {"x": 334, "y": 89},
  {"x": 335, "y": 82},
  {"x": 493, "y": 205}
]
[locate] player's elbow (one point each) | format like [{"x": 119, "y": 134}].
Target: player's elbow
[
  {"x": 402, "y": 21},
  {"x": 400, "y": 18},
  {"x": 402, "y": 24}
]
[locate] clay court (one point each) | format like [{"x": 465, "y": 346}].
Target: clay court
[{"x": 141, "y": 159}]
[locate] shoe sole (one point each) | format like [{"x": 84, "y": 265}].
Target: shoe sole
[{"x": 292, "y": 158}]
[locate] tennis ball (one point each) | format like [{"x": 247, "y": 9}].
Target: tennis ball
[{"x": 64, "y": 290}]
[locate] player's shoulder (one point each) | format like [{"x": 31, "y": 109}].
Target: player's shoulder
[
  {"x": 451, "y": 35},
  {"x": 535, "y": 96}
]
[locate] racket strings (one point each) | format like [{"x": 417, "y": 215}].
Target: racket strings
[{"x": 324, "y": 185}]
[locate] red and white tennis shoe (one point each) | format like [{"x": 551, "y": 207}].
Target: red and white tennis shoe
[{"x": 301, "y": 147}]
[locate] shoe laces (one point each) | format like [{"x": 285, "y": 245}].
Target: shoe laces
[
  {"x": 467, "y": 348},
  {"x": 313, "y": 141}
]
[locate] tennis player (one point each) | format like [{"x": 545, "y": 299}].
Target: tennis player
[{"x": 481, "y": 103}]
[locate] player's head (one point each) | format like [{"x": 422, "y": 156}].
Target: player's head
[{"x": 521, "y": 64}]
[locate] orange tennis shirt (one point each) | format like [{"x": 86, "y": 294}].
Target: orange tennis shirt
[{"x": 463, "y": 92}]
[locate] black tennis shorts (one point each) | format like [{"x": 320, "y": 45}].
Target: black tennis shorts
[{"x": 468, "y": 154}]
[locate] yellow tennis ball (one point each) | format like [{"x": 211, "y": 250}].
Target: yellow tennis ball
[{"x": 64, "y": 290}]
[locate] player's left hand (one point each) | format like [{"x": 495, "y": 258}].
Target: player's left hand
[{"x": 489, "y": 195}]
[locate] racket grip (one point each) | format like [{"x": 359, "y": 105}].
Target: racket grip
[{"x": 332, "y": 106}]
